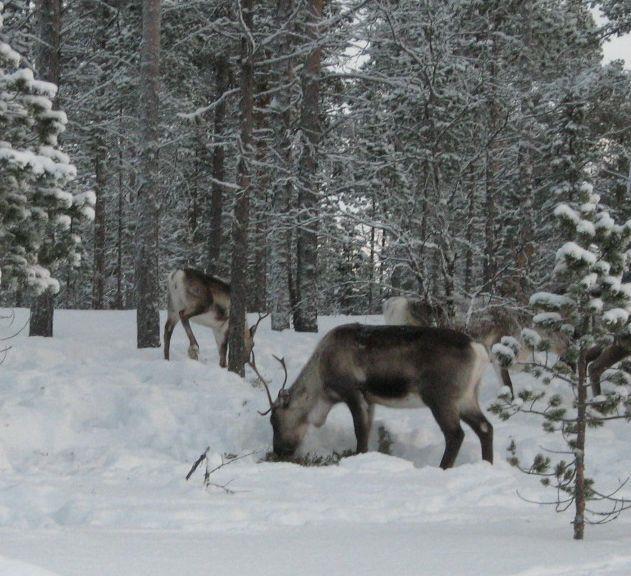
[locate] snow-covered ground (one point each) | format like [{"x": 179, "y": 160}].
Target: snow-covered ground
[{"x": 96, "y": 438}]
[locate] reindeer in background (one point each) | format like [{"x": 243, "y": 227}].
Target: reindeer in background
[{"x": 202, "y": 299}]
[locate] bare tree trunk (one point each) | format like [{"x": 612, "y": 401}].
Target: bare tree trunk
[
  {"x": 98, "y": 284},
  {"x": 216, "y": 201},
  {"x": 468, "y": 273},
  {"x": 239, "y": 276},
  {"x": 280, "y": 298},
  {"x": 306, "y": 311},
  {"x": 120, "y": 220},
  {"x": 147, "y": 290},
  {"x": 48, "y": 63},
  {"x": 260, "y": 249}
]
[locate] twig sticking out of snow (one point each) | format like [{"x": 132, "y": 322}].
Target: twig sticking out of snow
[{"x": 225, "y": 461}]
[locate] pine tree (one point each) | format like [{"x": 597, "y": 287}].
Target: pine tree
[
  {"x": 36, "y": 212},
  {"x": 591, "y": 312}
]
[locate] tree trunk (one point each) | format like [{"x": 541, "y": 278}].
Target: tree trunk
[
  {"x": 98, "y": 284},
  {"x": 48, "y": 64},
  {"x": 468, "y": 273},
  {"x": 581, "y": 421},
  {"x": 306, "y": 311},
  {"x": 216, "y": 200},
  {"x": 239, "y": 275},
  {"x": 120, "y": 220},
  {"x": 258, "y": 271},
  {"x": 280, "y": 299},
  {"x": 147, "y": 290}
]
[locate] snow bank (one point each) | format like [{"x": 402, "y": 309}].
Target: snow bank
[
  {"x": 15, "y": 568},
  {"x": 97, "y": 438}
]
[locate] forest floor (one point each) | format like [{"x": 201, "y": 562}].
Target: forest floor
[{"x": 96, "y": 438}]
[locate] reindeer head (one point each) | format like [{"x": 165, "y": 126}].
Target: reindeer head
[{"x": 288, "y": 426}]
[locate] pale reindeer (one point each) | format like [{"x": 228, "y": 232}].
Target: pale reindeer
[
  {"x": 395, "y": 366},
  {"x": 487, "y": 329},
  {"x": 202, "y": 299},
  {"x": 406, "y": 311}
]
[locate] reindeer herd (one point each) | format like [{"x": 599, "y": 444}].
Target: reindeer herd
[{"x": 411, "y": 361}]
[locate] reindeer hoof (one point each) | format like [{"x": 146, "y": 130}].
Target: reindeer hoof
[
  {"x": 193, "y": 353},
  {"x": 222, "y": 363}
]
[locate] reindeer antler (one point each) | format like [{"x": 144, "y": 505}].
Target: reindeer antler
[
  {"x": 254, "y": 328},
  {"x": 252, "y": 364},
  {"x": 282, "y": 363}
]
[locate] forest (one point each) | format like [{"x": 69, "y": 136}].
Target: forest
[{"x": 303, "y": 163}]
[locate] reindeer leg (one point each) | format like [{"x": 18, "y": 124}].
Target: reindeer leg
[
  {"x": 449, "y": 421},
  {"x": 168, "y": 330},
  {"x": 606, "y": 359},
  {"x": 371, "y": 417},
  {"x": 360, "y": 411},
  {"x": 193, "y": 349},
  {"x": 223, "y": 351},
  {"x": 484, "y": 430}
]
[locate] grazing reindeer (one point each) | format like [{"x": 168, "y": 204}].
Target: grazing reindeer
[
  {"x": 202, "y": 299},
  {"x": 396, "y": 366}
]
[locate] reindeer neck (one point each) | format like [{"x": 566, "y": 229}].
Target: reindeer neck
[{"x": 307, "y": 389}]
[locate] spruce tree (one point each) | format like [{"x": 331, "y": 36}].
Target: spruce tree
[{"x": 34, "y": 174}]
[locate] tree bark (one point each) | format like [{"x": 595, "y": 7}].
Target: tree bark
[
  {"x": 98, "y": 283},
  {"x": 147, "y": 290},
  {"x": 48, "y": 64},
  {"x": 239, "y": 275},
  {"x": 306, "y": 311},
  {"x": 581, "y": 422},
  {"x": 280, "y": 299},
  {"x": 218, "y": 169}
]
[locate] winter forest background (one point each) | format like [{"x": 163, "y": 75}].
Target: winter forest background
[
  {"x": 322, "y": 156},
  {"x": 326, "y": 154}
]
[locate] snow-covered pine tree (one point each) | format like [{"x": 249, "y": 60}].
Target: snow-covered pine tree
[
  {"x": 34, "y": 173},
  {"x": 590, "y": 311}
]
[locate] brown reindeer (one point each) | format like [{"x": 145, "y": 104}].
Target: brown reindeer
[
  {"x": 202, "y": 299},
  {"x": 396, "y": 366}
]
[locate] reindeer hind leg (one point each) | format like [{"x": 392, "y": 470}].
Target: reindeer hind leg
[
  {"x": 193, "y": 349},
  {"x": 484, "y": 431},
  {"x": 449, "y": 421},
  {"x": 170, "y": 324}
]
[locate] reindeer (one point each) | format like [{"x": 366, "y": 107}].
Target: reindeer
[
  {"x": 202, "y": 299},
  {"x": 396, "y": 366},
  {"x": 487, "y": 328},
  {"x": 402, "y": 311}
]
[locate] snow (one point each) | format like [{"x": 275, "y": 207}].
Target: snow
[
  {"x": 616, "y": 316},
  {"x": 550, "y": 301},
  {"x": 564, "y": 212},
  {"x": 9, "y": 55},
  {"x": 572, "y": 251},
  {"x": 531, "y": 337},
  {"x": 97, "y": 437}
]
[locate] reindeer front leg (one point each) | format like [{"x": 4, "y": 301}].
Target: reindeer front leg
[
  {"x": 193, "y": 349},
  {"x": 362, "y": 419}
]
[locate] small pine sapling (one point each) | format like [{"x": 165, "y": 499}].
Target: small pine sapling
[{"x": 588, "y": 314}]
